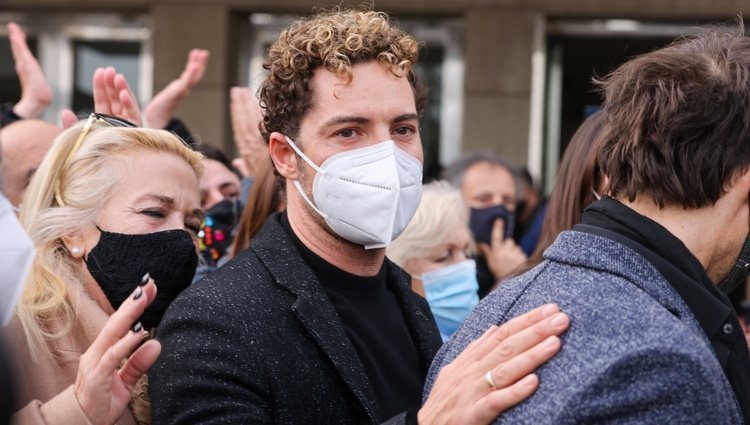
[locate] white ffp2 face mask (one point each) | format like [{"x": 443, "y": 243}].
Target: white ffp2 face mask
[
  {"x": 16, "y": 255},
  {"x": 368, "y": 195}
]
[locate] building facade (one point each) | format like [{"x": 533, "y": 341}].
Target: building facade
[{"x": 508, "y": 76}]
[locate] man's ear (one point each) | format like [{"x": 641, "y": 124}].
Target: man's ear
[{"x": 283, "y": 156}]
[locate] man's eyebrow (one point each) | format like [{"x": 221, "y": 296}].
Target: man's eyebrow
[
  {"x": 406, "y": 117},
  {"x": 225, "y": 185},
  {"x": 342, "y": 119},
  {"x": 346, "y": 119}
]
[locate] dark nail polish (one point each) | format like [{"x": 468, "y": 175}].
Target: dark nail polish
[
  {"x": 137, "y": 327},
  {"x": 138, "y": 293},
  {"x": 145, "y": 338},
  {"x": 144, "y": 279}
]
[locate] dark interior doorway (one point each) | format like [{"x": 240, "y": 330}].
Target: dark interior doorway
[{"x": 584, "y": 58}]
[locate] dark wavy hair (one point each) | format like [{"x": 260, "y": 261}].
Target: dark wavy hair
[{"x": 677, "y": 125}]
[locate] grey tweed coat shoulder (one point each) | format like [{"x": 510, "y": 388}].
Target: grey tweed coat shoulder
[
  {"x": 634, "y": 353},
  {"x": 259, "y": 342}
]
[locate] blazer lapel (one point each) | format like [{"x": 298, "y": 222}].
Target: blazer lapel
[{"x": 313, "y": 309}]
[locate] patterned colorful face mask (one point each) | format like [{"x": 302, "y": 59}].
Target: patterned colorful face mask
[{"x": 217, "y": 231}]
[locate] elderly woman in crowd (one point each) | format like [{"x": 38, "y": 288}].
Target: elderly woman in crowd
[
  {"x": 436, "y": 249},
  {"x": 112, "y": 212}
]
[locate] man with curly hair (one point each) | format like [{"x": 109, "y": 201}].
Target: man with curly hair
[{"x": 312, "y": 325}]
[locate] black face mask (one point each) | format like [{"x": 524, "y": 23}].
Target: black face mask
[
  {"x": 119, "y": 261},
  {"x": 740, "y": 270},
  {"x": 482, "y": 220},
  {"x": 217, "y": 232}
]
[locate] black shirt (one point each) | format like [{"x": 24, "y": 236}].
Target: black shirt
[
  {"x": 376, "y": 327},
  {"x": 667, "y": 253}
]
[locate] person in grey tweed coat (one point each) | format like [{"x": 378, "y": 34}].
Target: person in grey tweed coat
[{"x": 653, "y": 338}]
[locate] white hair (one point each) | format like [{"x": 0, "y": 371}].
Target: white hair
[{"x": 441, "y": 210}]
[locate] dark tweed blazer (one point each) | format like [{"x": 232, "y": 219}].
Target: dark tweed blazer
[
  {"x": 634, "y": 353},
  {"x": 258, "y": 341}
]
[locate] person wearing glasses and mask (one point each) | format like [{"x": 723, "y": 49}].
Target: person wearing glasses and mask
[
  {"x": 436, "y": 249},
  {"x": 113, "y": 213}
]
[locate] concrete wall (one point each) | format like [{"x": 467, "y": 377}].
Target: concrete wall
[
  {"x": 206, "y": 110},
  {"x": 498, "y": 82}
]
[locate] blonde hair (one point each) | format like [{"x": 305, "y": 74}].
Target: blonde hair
[
  {"x": 441, "y": 210},
  {"x": 87, "y": 176}
]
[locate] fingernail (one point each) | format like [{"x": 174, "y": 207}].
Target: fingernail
[
  {"x": 144, "y": 279},
  {"x": 549, "y": 310},
  {"x": 559, "y": 321},
  {"x": 137, "y": 327},
  {"x": 138, "y": 293},
  {"x": 530, "y": 381},
  {"x": 550, "y": 343}
]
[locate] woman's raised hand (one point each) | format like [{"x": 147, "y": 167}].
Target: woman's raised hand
[{"x": 110, "y": 368}]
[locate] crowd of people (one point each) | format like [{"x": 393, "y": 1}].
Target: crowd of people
[{"x": 316, "y": 279}]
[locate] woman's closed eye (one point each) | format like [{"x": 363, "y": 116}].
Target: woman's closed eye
[
  {"x": 444, "y": 257},
  {"x": 153, "y": 213}
]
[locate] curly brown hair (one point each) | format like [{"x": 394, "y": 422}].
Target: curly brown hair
[{"x": 335, "y": 40}]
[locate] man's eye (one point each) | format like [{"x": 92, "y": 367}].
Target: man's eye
[
  {"x": 347, "y": 132},
  {"x": 231, "y": 194},
  {"x": 403, "y": 131}
]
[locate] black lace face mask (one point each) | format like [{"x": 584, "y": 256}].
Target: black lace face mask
[{"x": 119, "y": 261}]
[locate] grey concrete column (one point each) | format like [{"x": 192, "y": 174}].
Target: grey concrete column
[
  {"x": 179, "y": 27},
  {"x": 498, "y": 82}
]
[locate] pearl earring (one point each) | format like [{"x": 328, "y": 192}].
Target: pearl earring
[{"x": 75, "y": 250}]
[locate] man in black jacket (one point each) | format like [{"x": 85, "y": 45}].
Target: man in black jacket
[{"x": 312, "y": 324}]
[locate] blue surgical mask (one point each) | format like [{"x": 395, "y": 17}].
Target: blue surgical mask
[
  {"x": 451, "y": 293},
  {"x": 482, "y": 220}
]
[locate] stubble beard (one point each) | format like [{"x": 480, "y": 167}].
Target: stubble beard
[{"x": 726, "y": 258}]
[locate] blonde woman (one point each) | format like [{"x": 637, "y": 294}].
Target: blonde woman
[
  {"x": 436, "y": 249},
  {"x": 112, "y": 213}
]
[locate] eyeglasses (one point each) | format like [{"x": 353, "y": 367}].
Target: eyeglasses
[{"x": 93, "y": 119}]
